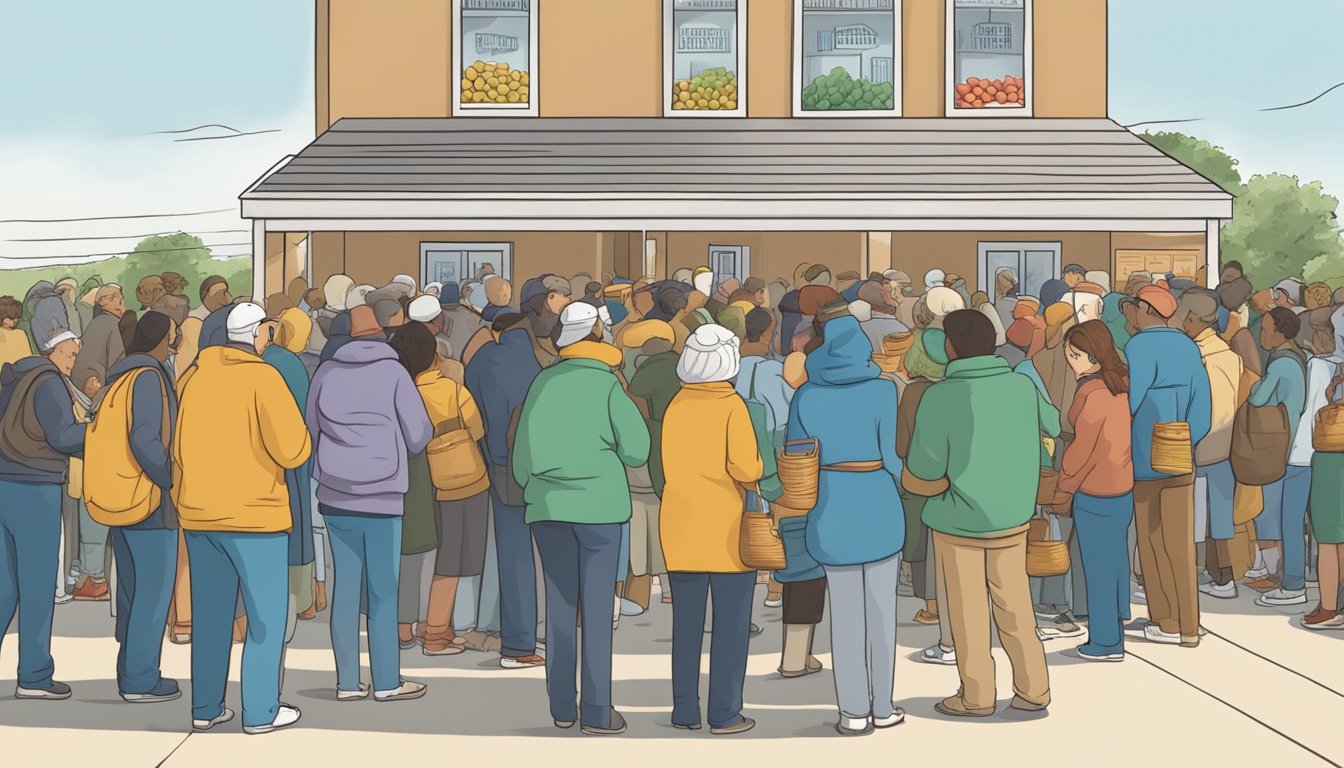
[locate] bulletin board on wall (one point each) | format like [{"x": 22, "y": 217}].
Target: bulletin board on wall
[{"x": 1182, "y": 263}]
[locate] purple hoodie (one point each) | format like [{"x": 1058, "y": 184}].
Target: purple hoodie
[{"x": 365, "y": 415}]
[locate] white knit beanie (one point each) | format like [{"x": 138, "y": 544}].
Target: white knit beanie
[
  {"x": 711, "y": 355},
  {"x": 335, "y": 290},
  {"x": 934, "y": 278},
  {"x": 576, "y": 323},
  {"x": 861, "y": 310},
  {"x": 943, "y": 301}
]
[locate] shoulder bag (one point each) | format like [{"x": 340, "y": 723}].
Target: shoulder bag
[
  {"x": 761, "y": 547},
  {"x": 455, "y": 460}
]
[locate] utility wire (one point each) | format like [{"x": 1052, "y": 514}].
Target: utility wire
[
  {"x": 1315, "y": 98},
  {"x": 116, "y": 218},
  {"x": 127, "y": 237},
  {"x": 121, "y": 253}
]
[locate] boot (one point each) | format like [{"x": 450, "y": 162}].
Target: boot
[{"x": 796, "y": 657}]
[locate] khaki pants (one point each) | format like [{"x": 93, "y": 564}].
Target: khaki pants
[
  {"x": 1164, "y": 513},
  {"x": 984, "y": 575},
  {"x": 181, "y": 606}
]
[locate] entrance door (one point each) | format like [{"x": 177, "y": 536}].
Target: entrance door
[
  {"x": 729, "y": 261},
  {"x": 457, "y": 262},
  {"x": 1031, "y": 263}
]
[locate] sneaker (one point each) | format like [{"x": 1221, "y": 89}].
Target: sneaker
[
  {"x": 356, "y": 695},
  {"x": 1226, "y": 591},
  {"x": 615, "y": 726},
  {"x": 1153, "y": 634},
  {"x": 166, "y": 690},
  {"x": 741, "y": 726},
  {"x": 1323, "y": 619},
  {"x": 63, "y": 597},
  {"x": 563, "y": 724},
  {"x": 1256, "y": 573},
  {"x": 854, "y": 726},
  {"x": 922, "y": 616},
  {"x": 287, "y": 716},
  {"x": 92, "y": 589},
  {"x": 408, "y": 690},
  {"x": 937, "y": 654},
  {"x": 774, "y": 601},
  {"x": 224, "y": 716},
  {"x": 896, "y": 717},
  {"x": 631, "y": 608},
  {"x": 1061, "y": 626},
  {"x": 1090, "y": 652},
  {"x": 521, "y": 662},
  {"x": 53, "y": 692},
  {"x": 1282, "y": 597}
]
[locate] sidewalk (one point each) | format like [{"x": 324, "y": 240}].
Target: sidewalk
[{"x": 1182, "y": 704}]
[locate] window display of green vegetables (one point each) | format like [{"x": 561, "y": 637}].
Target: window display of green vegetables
[{"x": 840, "y": 91}]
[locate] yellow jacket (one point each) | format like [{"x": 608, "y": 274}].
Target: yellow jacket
[
  {"x": 709, "y": 447},
  {"x": 238, "y": 430},
  {"x": 445, "y": 399},
  {"x": 14, "y": 345},
  {"x": 1224, "y": 368}
]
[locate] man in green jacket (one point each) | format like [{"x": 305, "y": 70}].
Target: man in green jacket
[
  {"x": 974, "y": 453},
  {"x": 577, "y": 434}
]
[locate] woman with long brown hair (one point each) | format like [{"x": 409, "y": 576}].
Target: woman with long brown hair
[{"x": 1097, "y": 477}]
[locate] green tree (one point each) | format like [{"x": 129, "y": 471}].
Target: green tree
[
  {"x": 1283, "y": 228},
  {"x": 181, "y": 253},
  {"x": 1211, "y": 162}
]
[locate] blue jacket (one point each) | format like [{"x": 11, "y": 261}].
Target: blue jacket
[
  {"x": 1167, "y": 383},
  {"x": 214, "y": 329},
  {"x": 298, "y": 481},
  {"x": 147, "y": 446},
  {"x": 852, "y": 412},
  {"x": 498, "y": 378},
  {"x": 55, "y": 413},
  {"x": 1285, "y": 384}
]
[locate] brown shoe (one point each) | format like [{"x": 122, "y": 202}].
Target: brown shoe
[
  {"x": 180, "y": 634},
  {"x": 924, "y": 617},
  {"x": 92, "y": 589},
  {"x": 1022, "y": 704},
  {"x": 1264, "y": 585},
  {"x": 956, "y": 707}
]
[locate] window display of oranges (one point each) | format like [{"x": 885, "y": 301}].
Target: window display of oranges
[{"x": 978, "y": 93}]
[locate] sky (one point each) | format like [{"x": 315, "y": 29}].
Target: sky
[{"x": 134, "y": 113}]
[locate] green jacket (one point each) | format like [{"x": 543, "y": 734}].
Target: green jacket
[
  {"x": 980, "y": 428},
  {"x": 577, "y": 433},
  {"x": 656, "y": 382}
]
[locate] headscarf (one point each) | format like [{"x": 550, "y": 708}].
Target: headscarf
[
  {"x": 293, "y": 330},
  {"x": 335, "y": 290},
  {"x": 920, "y": 360},
  {"x": 712, "y": 354},
  {"x": 943, "y": 301}
]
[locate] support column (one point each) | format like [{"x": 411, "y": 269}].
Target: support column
[
  {"x": 258, "y": 257},
  {"x": 1213, "y": 261}
]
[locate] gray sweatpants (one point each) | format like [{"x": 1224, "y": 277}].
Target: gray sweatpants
[{"x": 863, "y": 635}]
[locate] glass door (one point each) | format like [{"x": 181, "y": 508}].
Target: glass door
[
  {"x": 457, "y": 262},
  {"x": 1031, "y": 264},
  {"x": 729, "y": 261}
]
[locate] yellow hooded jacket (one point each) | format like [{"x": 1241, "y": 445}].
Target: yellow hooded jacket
[{"x": 238, "y": 430}]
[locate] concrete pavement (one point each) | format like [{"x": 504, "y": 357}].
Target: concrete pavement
[{"x": 1259, "y": 691}]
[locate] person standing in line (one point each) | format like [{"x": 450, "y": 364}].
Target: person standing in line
[
  {"x": 577, "y": 433},
  {"x": 975, "y": 455},
  {"x": 365, "y": 418},
  {"x": 1096, "y": 480},
  {"x": 1325, "y": 382},
  {"x": 231, "y": 403},
  {"x": 1284, "y": 517},
  {"x": 498, "y": 379},
  {"x": 857, "y": 528},
  {"x": 36, "y": 398},
  {"x": 130, "y": 441},
  {"x": 711, "y": 461},
  {"x": 1167, "y": 384},
  {"x": 14, "y": 344}
]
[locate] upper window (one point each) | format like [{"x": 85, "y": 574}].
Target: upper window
[
  {"x": 989, "y": 57},
  {"x": 495, "y": 56},
  {"x": 846, "y": 57},
  {"x": 705, "y": 56}
]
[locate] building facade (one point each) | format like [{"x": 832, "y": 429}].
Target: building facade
[{"x": 636, "y": 137}]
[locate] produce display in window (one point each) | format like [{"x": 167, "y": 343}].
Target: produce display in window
[
  {"x": 989, "y": 54},
  {"x": 495, "y": 40},
  {"x": 848, "y": 55},
  {"x": 704, "y": 55}
]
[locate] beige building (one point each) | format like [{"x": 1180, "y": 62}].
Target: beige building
[{"x": 638, "y": 136}]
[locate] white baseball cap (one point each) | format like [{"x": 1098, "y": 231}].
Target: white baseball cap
[{"x": 243, "y": 321}]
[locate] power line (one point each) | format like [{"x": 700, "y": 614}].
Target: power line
[
  {"x": 116, "y": 218},
  {"x": 121, "y": 253},
  {"x": 126, "y": 237}
]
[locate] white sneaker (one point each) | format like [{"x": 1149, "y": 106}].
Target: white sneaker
[
  {"x": 285, "y": 717},
  {"x": 630, "y": 608},
  {"x": 362, "y": 693},
  {"x": 63, "y": 597},
  {"x": 937, "y": 654},
  {"x": 774, "y": 602},
  {"x": 404, "y": 692},
  {"x": 896, "y": 717},
  {"x": 224, "y": 716},
  {"x": 1281, "y": 597},
  {"x": 854, "y": 726},
  {"x": 1153, "y": 634},
  {"x": 1256, "y": 573},
  {"x": 1226, "y": 591}
]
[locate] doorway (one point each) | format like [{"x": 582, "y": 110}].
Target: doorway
[
  {"x": 1031, "y": 263},
  {"x": 729, "y": 261},
  {"x": 458, "y": 262}
]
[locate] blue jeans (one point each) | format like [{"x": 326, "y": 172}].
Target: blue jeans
[
  {"x": 1102, "y": 527},
  {"x": 731, "y": 593},
  {"x": 517, "y": 580},
  {"x": 578, "y": 563},
  {"x": 1285, "y": 519},
  {"x": 30, "y": 541},
  {"x": 365, "y": 553},
  {"x": 223, "y": 564},
  {"x": 146, "y": 562}
]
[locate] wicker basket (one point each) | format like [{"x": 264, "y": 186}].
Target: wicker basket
[
  {"x": 761, "y": 546},
  {"x": 1047, "y": 553},
  {"x": 799, "y": 467},
  {"x": 1172, "y": 451},
  {"x": 1328, "y": 435}
]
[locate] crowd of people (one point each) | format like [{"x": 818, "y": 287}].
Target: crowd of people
[{"x": 478, "y": 469}]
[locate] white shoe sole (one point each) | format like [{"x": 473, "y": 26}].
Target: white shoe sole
[
  {"x": 1323, "y": 627},
  {"x": 37, "y": 695},
  {"x": 1112, "y": 657},
  {"x": 148, "y": 698},
  {"x": 1220, "y": 595},
  {"x": 1162, "y": 639},
  {"x": 946, "y": 661},
  {"x": 402, "y": 696},
  {"x": 352, "y": 695},
  {"x": 1263, "y": 603},
  {"x": 889, "y": 722},
  {"x": 205, "y": 725}
]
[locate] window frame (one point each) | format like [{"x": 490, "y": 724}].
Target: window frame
[
  {"x": 1028, "y": 108},
  {"x": 533, "y": 106},
  {"x": 669, "y": 64},
  {"x": 898, "y": 75}
]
